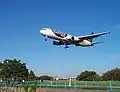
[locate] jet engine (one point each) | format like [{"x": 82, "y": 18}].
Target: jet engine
[
  {"x": 72, "y": 38},
  {"x": 58, "y": 43}
]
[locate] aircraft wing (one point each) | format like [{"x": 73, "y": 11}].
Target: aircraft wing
[{"x": 92, "y": 36}]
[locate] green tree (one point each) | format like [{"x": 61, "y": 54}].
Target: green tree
[
  {"x": 0, "y": 70},
  {"x": 98, "y": 78},
  {"x": 87, "y": 76},
  {"x": 13, "y": 70},
  {"x": 113, "y": 74},
  {"x": 45, "y": 77},
  {"x": 31, "y": 76}
]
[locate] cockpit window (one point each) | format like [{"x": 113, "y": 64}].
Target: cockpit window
[
  {"x": 54, "y": 30},
  {"x": 44, "y": 28}
]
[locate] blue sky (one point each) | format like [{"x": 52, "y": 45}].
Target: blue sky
[{"x": 21, "y": 20}]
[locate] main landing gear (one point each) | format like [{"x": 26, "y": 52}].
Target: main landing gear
[{"x": 66, "y": 46}]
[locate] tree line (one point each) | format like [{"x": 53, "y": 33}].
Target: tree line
[
  {"x": 16, "y": 70},
  {"x": 111, "y": 75}
]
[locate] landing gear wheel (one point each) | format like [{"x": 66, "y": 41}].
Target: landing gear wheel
[
  {"x": 45, "y": 39},
  {"x": 66, "y": 47}
]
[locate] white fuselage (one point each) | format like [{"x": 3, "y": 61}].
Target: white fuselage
[{"x": 50, "y": 33}]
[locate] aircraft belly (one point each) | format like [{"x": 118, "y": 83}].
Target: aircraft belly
[{"x": 84, "y": 43}]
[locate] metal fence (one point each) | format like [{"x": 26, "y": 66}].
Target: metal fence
[{"x": 66, "y": 84}]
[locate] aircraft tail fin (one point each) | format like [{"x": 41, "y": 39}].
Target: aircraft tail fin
[{"x": 91, "y": 39}]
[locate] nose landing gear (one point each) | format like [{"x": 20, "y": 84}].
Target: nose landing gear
[{"x": 45, "y": 39}]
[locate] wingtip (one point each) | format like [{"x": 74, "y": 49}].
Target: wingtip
[{"x": 109, "y": 32}]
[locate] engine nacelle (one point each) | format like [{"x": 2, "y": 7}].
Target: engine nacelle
[
  {"x": 55, "y": 43},
  {"x": 74, "y": 38},
  {"x": 58, "y": 43}
]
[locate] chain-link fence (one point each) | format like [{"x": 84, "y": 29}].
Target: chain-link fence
[{"x": 99, "y": 85}]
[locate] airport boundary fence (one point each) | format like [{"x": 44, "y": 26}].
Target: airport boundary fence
[{"x": 66, "y": 84}]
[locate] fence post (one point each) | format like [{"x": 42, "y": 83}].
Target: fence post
[
  {"x": 110, "y": 87},
  {"x": 75, "y": 84},
  {"x": 40, "y": 84},
  {"x": 56, "y": 84},
  {"x": 65, "y": 84},
  {"x": 70, "y": 82}
]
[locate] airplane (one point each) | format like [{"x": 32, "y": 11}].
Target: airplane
[{"x": 67, "y": 39}]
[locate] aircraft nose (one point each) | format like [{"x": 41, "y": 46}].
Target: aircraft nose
[{"x": 42, "y": 32}]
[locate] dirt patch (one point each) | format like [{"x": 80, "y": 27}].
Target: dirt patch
[
  {"x": 22, "y": 89},
  {"x": 68, "y": 90}
]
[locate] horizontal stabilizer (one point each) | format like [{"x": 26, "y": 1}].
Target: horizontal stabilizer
[
  {"x": 96, "y": 42},
  {"x": 92, "y": 35}
]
